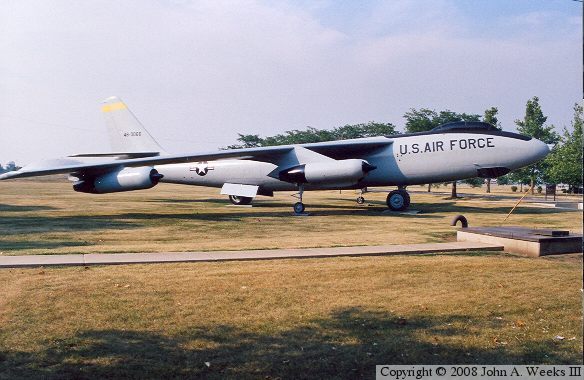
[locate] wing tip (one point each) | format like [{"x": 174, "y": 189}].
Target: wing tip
[{"x": 8, "y": 175}]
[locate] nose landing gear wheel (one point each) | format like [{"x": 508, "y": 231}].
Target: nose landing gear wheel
[
  {"x": 237, "y": 200},
  {"x": 360, "y": 200},
  {"x": 398, "y": 200},
  {"x": 298, "y": 207}
]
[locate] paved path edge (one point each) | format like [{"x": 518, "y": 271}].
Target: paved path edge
[{"x": 268, "y": 254}]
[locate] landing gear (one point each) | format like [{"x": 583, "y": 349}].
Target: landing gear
[
  {"x": 398, "y": 200},
  {"x": 240, "y": 201},
  {"x": 360, "y": 199},
  {"x": 299, "y": 206}
]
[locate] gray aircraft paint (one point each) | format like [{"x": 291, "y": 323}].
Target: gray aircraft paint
[
  {"x": 437, "y": 156},
  {"x": 427, "y": 159}
]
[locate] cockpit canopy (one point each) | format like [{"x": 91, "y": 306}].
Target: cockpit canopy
[{"x": 466, "y": 126}]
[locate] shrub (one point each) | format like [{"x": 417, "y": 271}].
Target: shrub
[
  {"x": 513, "y": 188},
  {"x": 539, "y": 189}
]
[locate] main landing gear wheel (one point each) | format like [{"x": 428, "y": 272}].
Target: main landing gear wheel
[
  {"x": 237, "y": 200},
  {"x": 360, "y": 200},
  {"x": 298, "y": 207},
  {"x": 398, "y": 200}
]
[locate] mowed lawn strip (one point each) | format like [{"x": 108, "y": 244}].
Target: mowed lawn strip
[
  {"x": 50, "y": 218},
  {"x": 289, "y": 318}
]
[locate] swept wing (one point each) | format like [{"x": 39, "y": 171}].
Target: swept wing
[{"x": 334, "y": 149}]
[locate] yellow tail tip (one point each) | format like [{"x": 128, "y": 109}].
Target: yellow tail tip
[{"x": 113, "y": 107}]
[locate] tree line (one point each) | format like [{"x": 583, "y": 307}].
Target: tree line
[
  {"x": 562, "y": 165},
  {"x": 10, "y": 167}
]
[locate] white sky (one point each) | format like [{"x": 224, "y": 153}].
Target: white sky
[{"x": 198, "y": 72}]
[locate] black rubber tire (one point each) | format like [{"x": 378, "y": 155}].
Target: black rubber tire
[
  {"x": 298, "y": 208},
  {"x": 360, "y": 200},
  {"x": 239, "y": 201},
  {"x": 462, "y": 219},
  {"x": 396, "y": 200},
  {"x": 406, "y": 197}
]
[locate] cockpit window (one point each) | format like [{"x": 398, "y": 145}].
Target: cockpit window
[{"x": 466, "y": 125}]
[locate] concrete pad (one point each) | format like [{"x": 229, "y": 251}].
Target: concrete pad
[
  {"x": 549, "y": 205},
  {"x": 569, "y": 205},
  {"x": 559, "y": 205},
  {"x": 523, "y": 241},
  {"x": 268, "y": 254}
]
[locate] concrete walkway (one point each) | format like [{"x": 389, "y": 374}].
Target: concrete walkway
[{"x": 267, "y": 254}]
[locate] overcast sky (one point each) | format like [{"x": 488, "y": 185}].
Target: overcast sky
[{"x": 198, "y": 72}]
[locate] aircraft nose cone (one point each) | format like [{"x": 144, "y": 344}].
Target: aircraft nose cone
[
  {"x": 540, "y": 149},
  {"x": 525, "y": 153}
]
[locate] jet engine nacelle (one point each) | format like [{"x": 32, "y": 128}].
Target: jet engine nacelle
[
  {"x": 345, "y": 172},
  {"x": 125, "y": 179}
]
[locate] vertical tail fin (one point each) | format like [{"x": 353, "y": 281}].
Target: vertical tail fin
[{"x": 126, "y": 133}]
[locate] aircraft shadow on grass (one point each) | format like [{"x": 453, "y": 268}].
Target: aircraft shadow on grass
[
  {"x": 265, "y": 203},
  {"x": 376, "y": 206},
  {"x": 17, "y": 225},
  {"x": 260, "y": 208},
  {"x": 9, "y": 245},
  {"x": 200, "y": 200},
  {"x": 346, "y": 344},
  {"x": 33, "y": 223},
  {"x": 17, "y": 208}
]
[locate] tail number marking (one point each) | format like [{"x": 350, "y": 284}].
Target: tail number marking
[{"x": 130, "y": 134}]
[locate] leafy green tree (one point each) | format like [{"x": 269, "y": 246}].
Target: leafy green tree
[
  {"x": 311, "y": 135},
  {"x": 425, "y": 119},
  {"x": 474, "y": 182},
  {"x": 370, "y": 129},
  {"x": 503, "y": 180},
  {"x": 247, "y": 141},
  {"x": 520, "y": 177},
  {"x": 565, "y": 161},
  {"x": 490, "y": 117},
  {"x": 533, "y": 124},
  {"x": 420, "y": 120},
  {"x": 11, "y": 166}
]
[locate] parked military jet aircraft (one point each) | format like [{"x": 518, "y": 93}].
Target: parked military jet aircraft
[{"x": 449, "y": 152}]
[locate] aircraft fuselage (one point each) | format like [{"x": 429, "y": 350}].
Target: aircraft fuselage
[{"x": 410, "y": 160}]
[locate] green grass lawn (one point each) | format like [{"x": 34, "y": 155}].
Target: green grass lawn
[
  {"x": 289, "y": 318},
  {"x": 50, "y": 218},
  {"x": 308, "y": 318}
]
